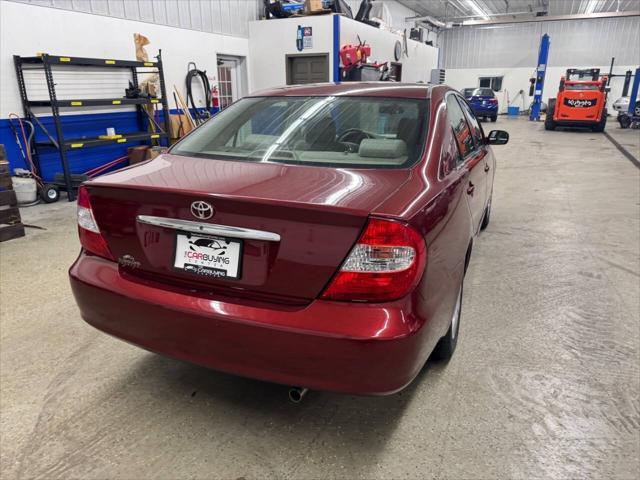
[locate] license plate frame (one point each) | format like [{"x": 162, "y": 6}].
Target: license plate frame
[{"x": 202, "y": 267}]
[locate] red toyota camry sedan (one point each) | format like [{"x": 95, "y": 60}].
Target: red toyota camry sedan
[{"x": 315, "y": 236}]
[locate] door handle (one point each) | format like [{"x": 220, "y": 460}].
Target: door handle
[
  {"x": 471, "y": 188},
  {"x": 487, "y": 167}
]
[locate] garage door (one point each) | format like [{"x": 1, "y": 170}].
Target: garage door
[{"x": 307, "y": 69}]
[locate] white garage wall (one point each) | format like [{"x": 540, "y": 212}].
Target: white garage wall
[
  {"x": 228, "y": 17},
  {"x": 27, "y": 29},
  {"x": 573, "y": 43},
  {"x": 271, "y": 40}
]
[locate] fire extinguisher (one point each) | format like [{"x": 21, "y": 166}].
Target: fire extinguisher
[{"x": 215, "y": 98}]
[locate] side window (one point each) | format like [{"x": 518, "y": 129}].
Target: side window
[
  {"x": 476, "y": 129},
  {"x": 461, "y": 129}
]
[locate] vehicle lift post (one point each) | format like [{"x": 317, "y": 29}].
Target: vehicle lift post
[
  {"x": 541, "y": 70},
  {"x": 634, "y": 93}
]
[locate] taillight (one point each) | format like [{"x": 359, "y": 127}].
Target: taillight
[
  {"x": 493, "y": 100},
  {"x": 385, "y": 264},
  {"x": 90, "y": 237}
]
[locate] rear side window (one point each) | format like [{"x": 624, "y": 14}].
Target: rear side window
[
  {"x": 483, "y": 92},
  {"x": 581, "y": 86},
  {"x": 461, "y": 130},
  {"x": 476, "y": 129},
  {"x": 337, "y": 131}
]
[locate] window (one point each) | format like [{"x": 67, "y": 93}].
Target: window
[
  {"x": 494, "y": 83},
  {"x": 461, "y": 129},
  {"x": 581, "y": 86},
  {"x": 476, "y": 129},
  {"x": 231, "y": 71},
  {"x": 467, "y": 92},
  {"x": 331, "y": 131},
  {"x": 483, "y": 92}
]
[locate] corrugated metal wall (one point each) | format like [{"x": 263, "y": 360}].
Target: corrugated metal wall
[
  {"x": 573, "y": 42},
  {"x": 229, "y": 17}
]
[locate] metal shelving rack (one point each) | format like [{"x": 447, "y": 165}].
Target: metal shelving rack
[{"x": 62, "y": 144}]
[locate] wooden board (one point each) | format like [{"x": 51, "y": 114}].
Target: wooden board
[
  {"x": 5, "y": 182},
  {"x": 4, "y": 168},
  {"x": 8, "y": 197},
  {"x": 9, "y": 215},
  {"x": 8, "y": 232}
]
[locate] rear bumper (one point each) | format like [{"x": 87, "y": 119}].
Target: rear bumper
[
  {"x": 351, "y": 348},
  {"x": 485, "y": 109},
  {"x": 576, "y": 123}
]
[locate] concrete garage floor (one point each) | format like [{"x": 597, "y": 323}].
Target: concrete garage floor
[{"x": 545, "y": 382}]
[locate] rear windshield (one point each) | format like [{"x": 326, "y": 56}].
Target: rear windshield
[
  {"x": 581, "y": 86},
  {"x": 366, "y": 132},
  {"x": 483, "y": 92}
]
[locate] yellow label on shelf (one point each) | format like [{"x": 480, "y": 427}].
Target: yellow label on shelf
[
  {"x": 148, "y": 64},
  {"x": 76, "y": 104},
  {"x": 77, "y": 145},
  {"x": 65, "y": 59},
  {"x": 155, "y": 135},
  {"x": 110, "y": 62},
  {"x": 116, "y": 102},
  {"x": 154, "y": 100},
  {"x": 122, "y": 140}
]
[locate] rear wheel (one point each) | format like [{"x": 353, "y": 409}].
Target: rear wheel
[
  {"x": 624, "y": 120},
  {"x": 549, "y": 124},
  {"x": 494, "y": 118},
  {"x": 601, "y": 124},
  {"x": 49, "y": 193},
  {"x": 447, "y": 344}
]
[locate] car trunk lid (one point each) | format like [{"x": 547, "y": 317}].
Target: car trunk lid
[{"x": 311, "y": 217}]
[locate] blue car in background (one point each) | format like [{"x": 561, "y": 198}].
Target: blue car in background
[{"x": 483, "y": 102}]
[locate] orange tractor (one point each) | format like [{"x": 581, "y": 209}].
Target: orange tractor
[{"x": 581, "y": 101}]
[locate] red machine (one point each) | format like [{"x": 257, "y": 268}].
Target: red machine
[
  {"x": 353, "y": 55},
  {"x": 581, "y": 101}
]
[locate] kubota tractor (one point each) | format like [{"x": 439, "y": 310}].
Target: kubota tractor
[{"x": 581, "y": 101}]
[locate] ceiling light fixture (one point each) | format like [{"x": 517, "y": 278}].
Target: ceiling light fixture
[
  {"x": 591, "y": 6},
  {"x": 477, "y": 10}
]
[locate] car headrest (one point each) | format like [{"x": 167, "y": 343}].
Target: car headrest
[
  {"x": 322, "y": 133},
  {"x": 407, "y": 131},
  {"x": 382, "y": 148}
]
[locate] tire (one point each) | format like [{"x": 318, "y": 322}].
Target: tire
[
  {"x": 601, "y": 124},
  {"x": 487, "y": 216},
  {"x": 636, "y": 109},
  {"x": 447, "y": 345},
  {"x": 549, "y": 124},
  {"x": 49, "y": 193},
  {"x": 494, "y": 118},
  {"x": 624, "y": 120}
]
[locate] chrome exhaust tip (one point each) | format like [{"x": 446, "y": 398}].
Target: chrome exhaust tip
[{"x": 296, "y": 394}]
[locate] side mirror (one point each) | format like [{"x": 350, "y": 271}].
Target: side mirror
[{"x": 498, "y": 137}]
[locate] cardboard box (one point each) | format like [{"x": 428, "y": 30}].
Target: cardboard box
[
  {"x": 311, "y": 6},
  {"x": 137, "y": 154},
  {"x": 153, "y": 152}
]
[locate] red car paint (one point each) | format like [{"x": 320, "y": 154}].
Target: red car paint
[{"x": 272, "y": 323}]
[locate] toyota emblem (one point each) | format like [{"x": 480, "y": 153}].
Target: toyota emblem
[{"x": 202, "y": 210}]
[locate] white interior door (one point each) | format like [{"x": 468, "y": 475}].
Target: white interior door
[{"x": 231, "y": 79}]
